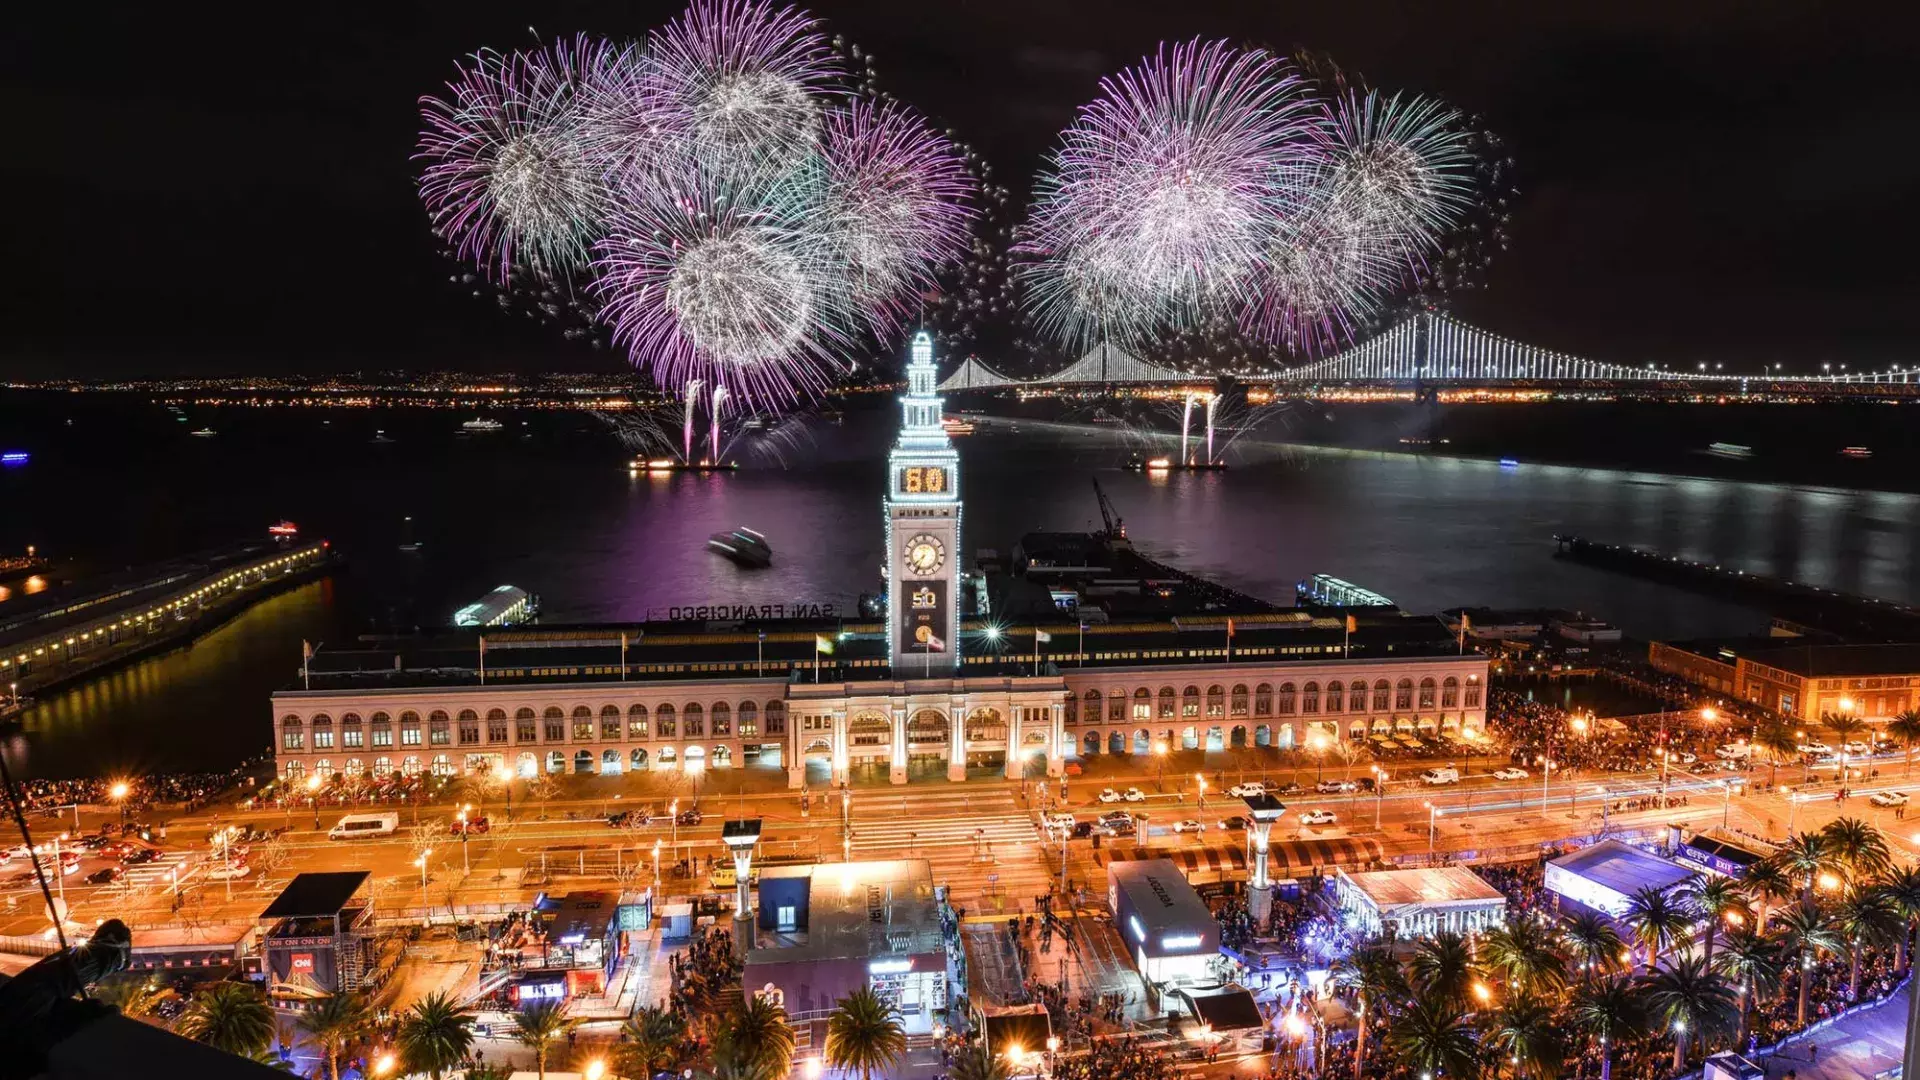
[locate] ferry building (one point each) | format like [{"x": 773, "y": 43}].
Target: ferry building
[{"x": 1076, "y": 646}]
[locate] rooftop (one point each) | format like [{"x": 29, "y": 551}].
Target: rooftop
[
  {"x": 860, "y": 909},
  {"x": 582, "y": 916},
  {"x": 316, "y": 895},
  {"x": 1822, "y": 661},
  {"x": 1160, "y": 895},
  {"x": 1622, "y": 867},
  {"x": 1426, "y": 887}
]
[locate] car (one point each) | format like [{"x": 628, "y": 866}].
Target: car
[
  {"x": 143, "y": 855},
  {"x": 1188, "y": 825},
  {"x": 1123, "y": 827},
  {"x": 1511, "y": 772},
  {"x": 1108, "y": 795},
  {"x": 474, "y": 826},
  {"x": 1082, "y": 829},
  {"x": 1440, "y": 776},
  {"x": 1815, "y": 748},
  {"x": 1336, "y": 787},
  {"x": 228, "y": 871},
  {"x": 1134, "y": 794},
  {"x": 1250, "y": 790},
  {"x": 629, "y": 819},
  {"x": 1060, "y": 820},
  {"x": 1732, "y": 751},
  {"x": 1288, "y": 788},
  {"x": 690, "y": 817},
  {"x": 1235, "y": 823},
  {"x": 1686, "y": 758},
  {"x": 94, "y": 842},
  {"x": 1888, "y": 798},
  {"x": 1857, "y": 747},
  {"x": 105, "y": 875},
  {"x": 1317, "y": 817}
]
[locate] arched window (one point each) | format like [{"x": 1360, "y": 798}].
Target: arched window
[
  {"x": 610, "y": 726},
  {"x": 442, "y": 765},
  {"x": 322, "y": 731},
  {"x": 380, "y": 718},
  {"x": 582, "y": 723},
  {"x": 637, "y": 722},
  {"x": 610, "y": 761},
  {"x": 638, "y": 760},
  {"x": 721, "y": 719},
  {"x": 1381, "y": 692},
  {"x": 665, "y": 726},
  {"x": 1263, "y": 700},
  {"x": 1450, "y": 693},
  {"x": 409, "y": 765},
  {"x": 1403, "y": 695},
  {"x": 1426, "y": 694},
  {"x": 776, "y": 717},
  {"x": 1310, "y": 698},
  {"x": 695, "y": 720},
  {"x": 524, "y": 729},
  {"x": 1237, "y": 703},
  {"x": 556, "y": 761},
  {"x": 1117, "y": 705},
  {"x": 1335, "y": 691},
  {"x": 1190, "y": 701},
  {"x": 1287, "y": 695},
  {"x": 1216, "y": 702},
  {"x": 1092, "y": 706},
  {"x": 749, "y": 717},
  {"x": 1166, "y": 702},
  {"x": 1143, "y": 703},
  {"x": 469, "y": 727},
  {"x": 1473, "y": 692},
  {"x": 349, "y": 718},
  {"x": 382, "y": 768},
  {"x": 439, "y": 728},
  {"x": 496, "y": 725},
  {"x": 291, "y": 737},
  {"x": 354, "y": 768},
  {"x": 555, "y": 723}
]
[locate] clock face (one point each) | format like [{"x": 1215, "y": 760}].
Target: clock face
[{"x": 925, "y": 555}]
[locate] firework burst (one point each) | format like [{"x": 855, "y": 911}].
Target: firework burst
[{"x": 508, "y": 180}]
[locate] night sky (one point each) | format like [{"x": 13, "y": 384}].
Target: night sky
[{"x": 1700, "y": 180}]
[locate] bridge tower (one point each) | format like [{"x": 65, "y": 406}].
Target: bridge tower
[{"x": 922, "y": 509}]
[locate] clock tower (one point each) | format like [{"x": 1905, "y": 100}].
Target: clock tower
[{"x": 923, "y": 530}]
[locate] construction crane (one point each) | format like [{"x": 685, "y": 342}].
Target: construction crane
[{"x": 1116, "y": 525}]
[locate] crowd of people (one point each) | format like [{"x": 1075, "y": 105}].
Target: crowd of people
[
  {"x": 188, "y": 789},
  {"x": 705, "y": 968}
]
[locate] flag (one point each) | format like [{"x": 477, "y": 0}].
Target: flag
[
  {"x": 821, "y": 644},
  {"x": 306, "y": 649},
  {"x": 1041, "y": 636},
  {"x": 1229, "y": 627},
  {"x": 763, "y": 635},
  {"x": 1466, "y": 623},
  {"x": 483, "y": 645},
  {"x": 1352, "y": 624}
]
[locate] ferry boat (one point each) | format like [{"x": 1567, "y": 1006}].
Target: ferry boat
[
  {"x": 1137, "y": 463},
  {"x": 481, "y": 425},
  {"x": 407, "y": 543},
  {"x": 1857, "y": 451},
  {"x": 744, "y": 546},
  {"x": 205, "y": 433},
  {"x": 380, "y": 436},
  {"x": 1729, "y": 450},
  {"x": 957, "y": 425},
  {"x": 665, "y": 465}
]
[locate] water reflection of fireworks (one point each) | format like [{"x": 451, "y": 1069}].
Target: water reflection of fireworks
[{"x": 757, "y": 441}]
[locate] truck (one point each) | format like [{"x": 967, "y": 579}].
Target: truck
[
  {"x": 364, "y": 826},
  {"x": 1441, "y": 776}
]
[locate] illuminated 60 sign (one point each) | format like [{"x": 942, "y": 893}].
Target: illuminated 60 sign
[{"x": 923, "y": 480}]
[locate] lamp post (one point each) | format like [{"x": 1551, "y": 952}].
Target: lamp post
[
  {"x": 119, "y": 791},
  {"x": 1433, "y": 814},
  {"x": 656, "y": 864},
  {"x": 1201, "y": 780},
  {"x": 421, "y": 862},
  {"x": 1159, "y": 764},
  {"x": 313, "y": 798},
  {"x": 1846, "y": 710},
  {"x": 465, "y": 867},
  {"x": 1806, "y": 766},
  {"x": 1379, "y": 793},
  {"x": 673, "y": 814}
]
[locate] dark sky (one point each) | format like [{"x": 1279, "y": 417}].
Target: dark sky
[{"x": 1729, "y": 180}]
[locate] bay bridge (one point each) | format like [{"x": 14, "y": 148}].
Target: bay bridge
[{"x": 1437, "y": 351}]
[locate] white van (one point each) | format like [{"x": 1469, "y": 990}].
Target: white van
[
  {"x": 364, "y": 826},
  {"x": 1441, "y": 776}
]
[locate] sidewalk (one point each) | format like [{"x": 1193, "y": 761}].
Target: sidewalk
[{"x": 1856, "y": 1048}]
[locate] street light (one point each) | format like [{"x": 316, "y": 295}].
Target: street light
[
  {"x": 595, "y": 1069},
  {"x": 1202, "y": 781},
  {"x": 119, "y": 791},
  {"x": 1433, "y": 814},
  {"x": 313, "y": 797},
  {"x": 383, "y": 1065},
  {"x": 461, "y": 817},
  {"x": 1159, "y": 764},
  {"x": 1319, "y": 745},
  {"x": 673, "y": 812},
  {"x": 1379, "y": 792},
  {"x": 421, "y": 862}
]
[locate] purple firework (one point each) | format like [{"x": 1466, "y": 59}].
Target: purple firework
[{"x": 508, "y": 179}]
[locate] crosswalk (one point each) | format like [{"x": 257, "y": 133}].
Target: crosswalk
[
  {"x": 986, "y": 832},
  {"x": 158, "y": 871}
]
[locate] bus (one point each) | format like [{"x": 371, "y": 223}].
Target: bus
[{"x": 363, "y": 826}]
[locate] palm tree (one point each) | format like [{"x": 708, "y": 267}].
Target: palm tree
[
  {"x": 538, "y": 1027},
  {"x": 435, "y": 1035},
  {"x": 1755, "y": 963},
  {"x": 1716, "y": 899},
  {"x": 1844, "y": 727},
  {"x": 1432, "y": 1035},
  {"x": 1656, "y": 919},
  {"x": 1776, "y": 737},
  {"x": 1376, "y": 978},
  {"x": 1522, "y": 951},
  {"x": 864, "y": 1033},
  {"x": 758, "y": 1032},
  {"x": 1593, "y": 942},
  {"x": 1857, "y": 847},
  {"x": 1523, "y": 1029},
  {"x": 231, "y": 1016},
  {"x": 1803, "y": 859},
  {"x": 333, "y": 1024},
  {"x": 1764, "y": 883},
  {"x": 134, "y": 996},
  {"x": 975, "y": 1063},
  {"x": 653, "y": 1040},
  {"x": 1808, "y": 933},
  {"x": 1865, "y": 916},
  {"x": 1905, "y": 729},
  {"x": 1442, "y": 967},
  {"x": 1690, "y": 999},
  {"x": 1604, "y": 1010},
  {"x": 1903, "y": 888}
]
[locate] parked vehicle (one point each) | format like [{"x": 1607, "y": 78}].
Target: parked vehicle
[
  {"x": 690, "y": 816},
  {"x": 1108, "y": 795},
  {"x": 105, "y": 875},
  {"x": 1317, "y": 817},
  {"x": 1236, "y": 822},
  {"x": 474, "y": 826},
  {"x": 1336, "y": 787},
  {"x": 1440, "y": 776},
  {"x": 1249, "y": 790},
  {"x": 228, "y": 871},
  {"x": 363, "y": 827},
  {"x": 1134, "y": 794},
  {"x": 1511, "y": 772},
  {"x": 1888, "y": 798},
  {"x": 1188, "y": 826}
]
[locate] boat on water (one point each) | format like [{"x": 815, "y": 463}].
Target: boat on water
[
  {"x": 1729, "y": 450},
  {"x": 407, "y": 543},
  {"x": 380, "y": 436},
  {"x": 744, "y": 546},
  {"x": 481, "y": 425},
  {"x": 957, "y": 425},
  {"x": 205, "y": 433},
  {"x": 666, "y": 465},
  {"x": 1857, "y": 451},
  {"x": 1138, "y": 463}
]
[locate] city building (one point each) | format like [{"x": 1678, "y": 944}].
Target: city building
[
  {"x": 319, "y": 937},
  {"x": 1874, "y": 682},
  {"x": 1169, "y": 932},
  {"x": 1420, "y": 902},
  {"x": 574, "y": 948},
  {"x": 1601, "y": 877},
  {"x": 825, "y": 930},
  {"x": 505, "y": 605},
  {"x": 1138, "y": 655}
]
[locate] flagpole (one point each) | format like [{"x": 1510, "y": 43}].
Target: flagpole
[
  {"x": 1083, "y": 643},
  {"x": 623, "y": 656},
  {"x": 816, "y": 658},
  {"x": 483, "y": 659},
  {"x": 1036, "y": 652},
  {"x": 1346, "y": 641},
  {"x": 306, "y": 653}
]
